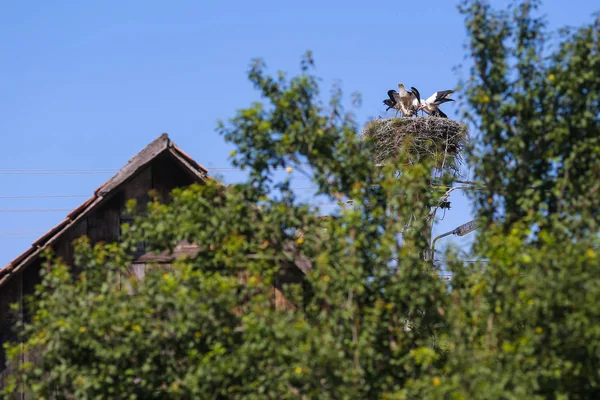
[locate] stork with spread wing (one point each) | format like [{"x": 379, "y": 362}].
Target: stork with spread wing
[
  {"x": 405, "y": 101},
  {"x": 431, "y": 106}
]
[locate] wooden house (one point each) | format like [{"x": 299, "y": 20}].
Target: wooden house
[{"x": 161, "y": 167}]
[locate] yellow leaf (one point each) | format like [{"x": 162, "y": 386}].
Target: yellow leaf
[
  {"x": 590, "y": 253},
  {"x": 508, "y": 347},
  {"x": 436, "y": 381},
  {"x": 289, "y": 170},
  {"x": 82, "y": 329}
]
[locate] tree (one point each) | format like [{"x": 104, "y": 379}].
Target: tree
[{"x": 524, "y": 325}]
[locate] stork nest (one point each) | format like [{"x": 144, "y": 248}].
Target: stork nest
[{"x": 440, "y": 139}]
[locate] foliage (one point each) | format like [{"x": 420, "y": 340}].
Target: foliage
[
  {"x": 537, "y": 104},
  {"x": 370, "y": 319},
  {"x": 524, "y": 324},
  {"x": 208, "y": 329}
]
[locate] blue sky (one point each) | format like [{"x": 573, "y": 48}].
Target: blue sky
[{"x": 86, "y": 85}]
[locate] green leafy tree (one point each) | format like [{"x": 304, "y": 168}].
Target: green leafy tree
[
  {"x": 524, "y": 325},
  {"x": 361, "y": 324}
]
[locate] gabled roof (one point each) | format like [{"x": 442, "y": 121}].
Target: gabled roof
[{"x": 159, "y": 146}]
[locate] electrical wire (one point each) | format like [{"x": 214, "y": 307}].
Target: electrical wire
[
  {"x": 56, "y": 172},
  {"x": 60, "y": 196},
  {"x": 18, "y": 232},
  {"x": 68, "y": 196},
  {"x": 45, "y": 196},
  {"x": 302, "y": 167},
  {"x": 25, "y": 210}
]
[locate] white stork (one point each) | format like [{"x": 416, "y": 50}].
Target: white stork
[
  {"x": 404, "y": 101},
  {"x": 431, "y": 106},
  {"x": 408, "y": 98}
]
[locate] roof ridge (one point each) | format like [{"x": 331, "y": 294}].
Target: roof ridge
[{"x": 134, "y": 165}]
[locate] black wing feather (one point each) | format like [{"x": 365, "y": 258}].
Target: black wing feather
[
  {"x": 441, "y": 114},
  {"x": 442, "y": 94},
  {"x": 417, "y": 94}
]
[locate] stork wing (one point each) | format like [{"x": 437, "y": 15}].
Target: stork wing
[
  {"x": 416, "y": 93},
  {"x": 441, "y": 114},
  {"x": 431, "y": 98},
  {"x": 443, "y": 94},
  {"x": 439, "y": 95}
]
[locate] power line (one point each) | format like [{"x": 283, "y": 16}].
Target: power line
[
  {"x": 56, "y": 172},
  {"x": 36, "y": 210},
  {"x": 68, "y": 196},
  {"x": 59, "y": 196},
  {"x": 301, "y": 167},
  {"x": 18, "y": 232},
  {"x": 85, "y": 196},
  {"x": 28, "y": 236},
  {"x": 45, "y": 196},
  {"x": 26, "y": 210}
]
